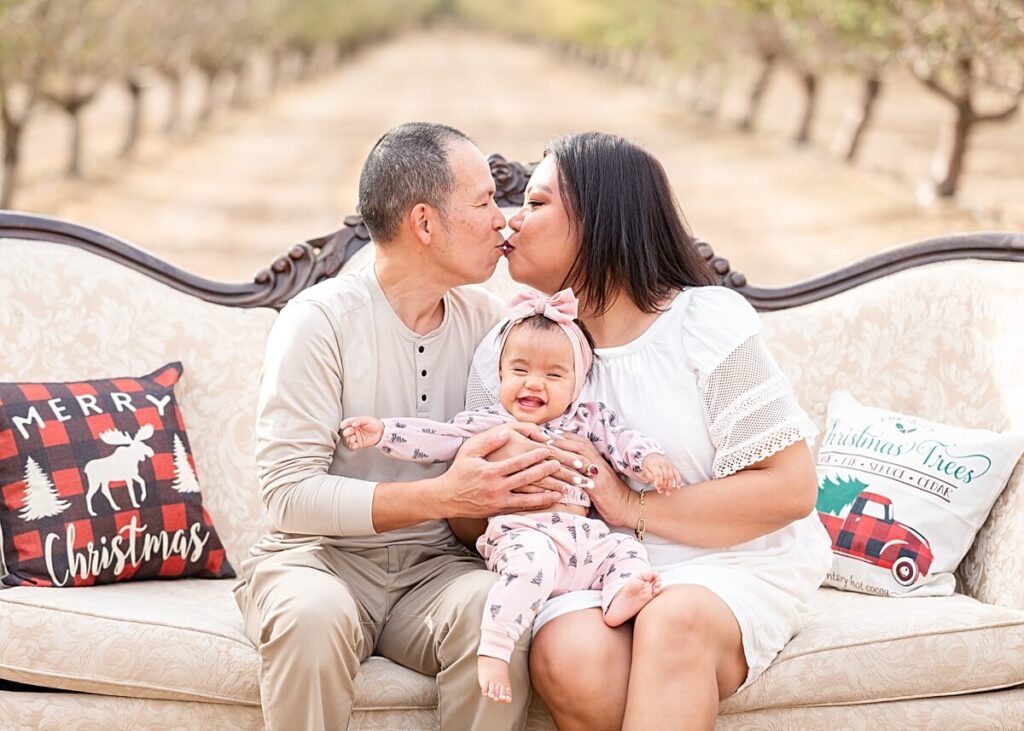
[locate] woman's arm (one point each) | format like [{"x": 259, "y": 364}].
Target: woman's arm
[{"x": 746, "y": 505}]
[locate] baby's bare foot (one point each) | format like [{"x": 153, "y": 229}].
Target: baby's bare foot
[
  {"x": 494, "y": 679},
  {"x": 632, "y": 597}
]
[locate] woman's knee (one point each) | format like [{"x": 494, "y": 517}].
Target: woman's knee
[
  {"x": 576, "y": 652},
  {"x": 688, "y": 626}
]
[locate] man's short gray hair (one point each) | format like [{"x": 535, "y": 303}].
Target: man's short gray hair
[{"x": 408, "y": 165}]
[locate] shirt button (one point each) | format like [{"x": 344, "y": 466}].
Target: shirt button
[
  {"x": 423, "y": 373},
  {"x": 423, "y": 397},
  {"x": 421, "y": 348}
]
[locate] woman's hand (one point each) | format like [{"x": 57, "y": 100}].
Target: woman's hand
[{"x": 611, "y": 496}]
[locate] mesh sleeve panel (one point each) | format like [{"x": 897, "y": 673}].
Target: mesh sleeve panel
[
  {"x": 750, "y": 409},
  {"x": 478, "y": 396}
]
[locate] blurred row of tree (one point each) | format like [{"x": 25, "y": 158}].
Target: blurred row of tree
[
  {"x": 970, "y": 53},
  {"x": 64, "y": 52}
]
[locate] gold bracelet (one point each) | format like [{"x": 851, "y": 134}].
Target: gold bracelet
[{"x": 641, "y": 524}]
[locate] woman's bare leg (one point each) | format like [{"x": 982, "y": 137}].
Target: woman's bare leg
[
  {"x": 580, "y": 667},
  {"x": 687, "y": 655}
]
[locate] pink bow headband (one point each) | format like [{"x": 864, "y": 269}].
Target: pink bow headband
[{"x": 561, "y": 308}]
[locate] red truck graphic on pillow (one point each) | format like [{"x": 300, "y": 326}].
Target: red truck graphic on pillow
[{"x": 870, "y": 533}]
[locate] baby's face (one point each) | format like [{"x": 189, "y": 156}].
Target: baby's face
[{"x": 537, "y": 379}]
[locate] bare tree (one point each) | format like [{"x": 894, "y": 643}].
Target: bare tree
[
  {"x": 88, "y": 58},
  {"x": 757, "y": 31},
  {"x": 959, "y": 49},
  {"x": 219, "y": 47},
  {"x": 861, "y": 38},
  {"x": 24, "y": 52}
]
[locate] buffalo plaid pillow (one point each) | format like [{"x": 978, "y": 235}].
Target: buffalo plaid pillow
[{"x": 97, "y": 485}]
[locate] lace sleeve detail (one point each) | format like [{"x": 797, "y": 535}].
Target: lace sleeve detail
[{"x": 750, "y": 409}]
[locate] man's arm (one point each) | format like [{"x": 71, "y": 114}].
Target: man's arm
[
  {"x": 297, "y": 432},
  {"x": 298, "y": 415}
]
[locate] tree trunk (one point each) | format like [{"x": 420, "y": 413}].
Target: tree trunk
[
  {"x": 768, "y": 63},
  {"x": 306, "y": 68},
  {"x": 12, "y": 159},
  {"x": 74, "y": 110},
  {"x": 172, "y": 127},
  {"x": 857, "y": 119},
  {"x": 209, "y": 94},
  {"x": 239, "y": 87},
  {"x": 810, "y": 84},
  {"x": 135, "y": 91},
  {"x": 951, "y": 166}
]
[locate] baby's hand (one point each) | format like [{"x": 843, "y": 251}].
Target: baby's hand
[
  {"x": 662, "y": 474},
  {"x": 361, "y": 432}
]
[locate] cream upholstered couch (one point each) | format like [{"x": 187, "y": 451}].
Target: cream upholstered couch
[{"x": 943, "y": 340}]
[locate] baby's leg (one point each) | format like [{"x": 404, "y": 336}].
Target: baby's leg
[
  {"x": 627, "y": 580},
  {"x": 527, "y": 562}
]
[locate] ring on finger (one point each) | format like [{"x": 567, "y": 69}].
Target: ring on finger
[{"x": 592, "y": 470}]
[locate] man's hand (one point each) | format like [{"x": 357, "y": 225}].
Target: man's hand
[
  {"x": 361, "y": 432},
  {"x": 476, "y": 488}
]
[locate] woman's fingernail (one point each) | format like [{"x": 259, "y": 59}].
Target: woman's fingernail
[
  {"x": 577, "y": 463},
  {"x": 577, "y": 479},
  {"x": 566, "y": 487},
  {"x": 588, "y": 484},
  {"x": 558, "y": 431}
]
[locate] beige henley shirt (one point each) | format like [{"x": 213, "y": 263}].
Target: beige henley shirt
[{"x": 338, "y": 350}]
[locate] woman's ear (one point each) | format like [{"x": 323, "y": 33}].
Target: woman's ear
[{"x": 421, "y": 220}]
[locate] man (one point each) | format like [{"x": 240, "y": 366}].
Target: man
[{"x": 360, "y": 559}]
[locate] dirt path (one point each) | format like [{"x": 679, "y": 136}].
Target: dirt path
[{"x": 224, "y": 204}]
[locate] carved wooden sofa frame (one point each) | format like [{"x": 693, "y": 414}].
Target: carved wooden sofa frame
[{"x": 312, "y": 261}]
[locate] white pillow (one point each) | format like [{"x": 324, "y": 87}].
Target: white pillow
[{"x": 902, "y": 498}]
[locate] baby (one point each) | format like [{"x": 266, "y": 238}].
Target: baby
[{"x": 545, "y": 358}]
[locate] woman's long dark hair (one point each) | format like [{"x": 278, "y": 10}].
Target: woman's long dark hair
[{"x": 631, "y": 230}]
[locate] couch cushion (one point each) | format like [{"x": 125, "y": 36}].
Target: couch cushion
[
  {"x": 178, "y": 640},
  {"x": 183, "y": 640},
  {"x": 169, "y": 639},
  {"x": 68, "y": 314},
  {"x": 859, "y": 648}
]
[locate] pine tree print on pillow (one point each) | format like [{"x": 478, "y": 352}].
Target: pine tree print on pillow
[{"x": 98, "y": 485}]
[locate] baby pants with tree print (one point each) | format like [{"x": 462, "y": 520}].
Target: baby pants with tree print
[{"x": 546, "y": 554}]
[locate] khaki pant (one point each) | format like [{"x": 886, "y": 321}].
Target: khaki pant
[{"x": 316, "y": 612}]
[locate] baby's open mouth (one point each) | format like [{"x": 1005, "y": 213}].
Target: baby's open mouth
[{"x": 530, "y": 402}]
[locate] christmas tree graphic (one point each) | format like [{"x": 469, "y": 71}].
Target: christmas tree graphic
[
  {"x": 41, "y": 498},
  {"x": 184, "y": 478},
  {"x": 835, "y": 494}
]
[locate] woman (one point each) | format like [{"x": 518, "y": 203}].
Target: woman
[{"x": 739, "y": 549}]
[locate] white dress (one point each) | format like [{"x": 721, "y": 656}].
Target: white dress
[{"x": 701, "y": 381}]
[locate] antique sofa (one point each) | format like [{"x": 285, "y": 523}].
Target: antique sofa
[{"x": 934, "y": 328}]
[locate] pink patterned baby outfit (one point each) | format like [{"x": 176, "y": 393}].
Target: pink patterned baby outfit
[
  {"x": 546, "y": 554},
  {"x": 423, "y": 440}
]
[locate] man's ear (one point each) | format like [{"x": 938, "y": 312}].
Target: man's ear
[{"x": 422, "y": 221}]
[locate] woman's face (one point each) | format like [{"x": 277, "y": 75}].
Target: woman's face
[{"x": 543, "y": 247}]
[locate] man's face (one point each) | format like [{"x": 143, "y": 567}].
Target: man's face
[{"x": 471, "y": 241}]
